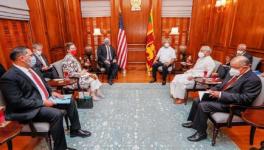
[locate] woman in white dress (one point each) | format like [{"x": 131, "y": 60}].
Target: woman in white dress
[{"x": 71, "y": 65}]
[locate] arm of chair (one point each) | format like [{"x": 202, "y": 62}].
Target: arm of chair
[
  {"x": 234, "y": 107},
  {"x": 32, "y": 128}
]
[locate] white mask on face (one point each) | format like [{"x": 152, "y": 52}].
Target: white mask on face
[
  {"x": 32, "y": 61},
  {"x": 38, "y": 52},
  {"x": 239, "y": 52},
  {"x": 201, "y": 54},
  {"x": 166, "y": 45},
  {"x": 234, "y": 72}
]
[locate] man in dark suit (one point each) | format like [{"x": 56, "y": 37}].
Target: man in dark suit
[
  {"x": 28, "y": 98},
  {"x": 47, "y": 70},
  {"x": 241, "y": 51},
  {"x": 107, "y": 58},
  {"x": 2, "y": 70},
  {"x": 241, "y": 86}
]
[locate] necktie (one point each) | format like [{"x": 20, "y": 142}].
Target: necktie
[
  {"x": 108, "y": 53},
  {"x": 39, "y": 83},
  {"x": 230, "y": 82}
]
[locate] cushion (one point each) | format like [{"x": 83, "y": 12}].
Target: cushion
[
  {"x": 217, "y": 64},
  {"x": 260, "y": 100},
  {"x": 255, "y": 62},
  {"x": 160, "y": 68},
  {"x": 58, "y": 67},
  {"x": 40, "y": 127},
  {"x": 221, "y": 117}
]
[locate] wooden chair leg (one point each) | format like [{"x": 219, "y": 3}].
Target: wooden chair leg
[
  {"x": 252, "y": 134},
  {"x": 9, "y": 144},
  {"x": 186, "y": 97},
  {"x": 215, "y": 133}
]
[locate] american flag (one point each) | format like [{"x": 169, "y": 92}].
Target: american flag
[{"x": 122, "y": 44}]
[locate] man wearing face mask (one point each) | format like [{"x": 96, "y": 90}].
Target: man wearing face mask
[
  {"x": 241, "y": 86},
  {"x": 165, "y": 58},
  {"x": 42, "y": 64},
  {"x": 28, "y": 99},
  {"x": 241, "y": 51},
  {"x": 181, "y": 82},
  {"x": 107, "y": 58}
]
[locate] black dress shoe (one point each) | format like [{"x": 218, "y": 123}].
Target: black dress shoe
[
  {"x": 152, "y": 81},
  {"x": 80, "y": 133},
  {"x": 187, "y": 125},
  {"x": 197, "y": 137},
  {"x": 68, "y": 148},
  {"x": 110, "y": 82},
  {"x": 163, "y": 83}
]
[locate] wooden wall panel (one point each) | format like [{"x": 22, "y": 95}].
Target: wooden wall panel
[
  {"x": 135, "y": 23},
  {"x": 13, "y": 33},
  {"x": 183, "y": 24},
  {"x": 240, "y": 21},
  {"x": 104, "y": 23}
]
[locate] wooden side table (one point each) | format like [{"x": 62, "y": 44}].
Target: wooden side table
[
  {"x": 60, "y": 83},
  {"x": 255, "y": 118},
  {"x": 8, "y": 132}
]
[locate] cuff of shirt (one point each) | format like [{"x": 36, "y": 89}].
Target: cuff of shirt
[{"x": 220, "y": 94}]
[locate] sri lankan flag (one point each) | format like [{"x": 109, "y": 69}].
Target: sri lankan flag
[{"x": 150, "y": 47}]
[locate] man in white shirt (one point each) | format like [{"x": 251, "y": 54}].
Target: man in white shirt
[
  {"x": 181, "y": 82},
  {"x": 165, "y": 58}
]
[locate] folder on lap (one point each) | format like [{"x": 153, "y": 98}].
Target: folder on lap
[{"x": 65, "y": 100}]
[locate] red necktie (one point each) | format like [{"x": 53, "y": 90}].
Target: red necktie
[
  {"x": 39, "y": 83},
  {"x": 230, "y": 82}
]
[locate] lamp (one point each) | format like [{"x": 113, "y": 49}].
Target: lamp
[
  {"x": 220, "y": 4},
  {"x": 97, "y": 31},
  {"x": 174, "y": 31}
]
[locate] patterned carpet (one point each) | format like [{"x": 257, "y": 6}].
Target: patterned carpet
[{"x": 139, "y": 116}]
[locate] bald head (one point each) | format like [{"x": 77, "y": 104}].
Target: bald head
[{"x": 240, "y": 61}]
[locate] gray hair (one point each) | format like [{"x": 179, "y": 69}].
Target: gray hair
[
  {"x": 242, "y": 46},
  {"x": 206, "y": 48},
  {"x": 35, "y": 45},
  {"x": 18, "y": 51},
  {"x": 106, "y": 41}
]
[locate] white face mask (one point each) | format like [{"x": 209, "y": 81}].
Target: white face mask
[
  {"x": 32, "y": 61},
  {"x": 166, "y": 45},
  {"x": 201, "y": 55},
  {"x": 239, "y": 52},
  {"x": 38, "y": 52},
  {"x": 234, "y": 72}
]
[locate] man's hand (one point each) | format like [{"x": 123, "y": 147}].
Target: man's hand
[
  {"x": 190, "y": 78},
  {"x": 167, "y": 64},
  {"x": 58, "y": 95},
  {"x": 114, "y": 60},
  {"x": 107, "y": 61},
  {"x": 48, "y": 103},
  {"x": 45, "y": 68},
  {"x": 214, "y": 94}
]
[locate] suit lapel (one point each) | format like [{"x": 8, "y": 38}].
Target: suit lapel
[
  {"x": 21, "y": 73},
  {"x": 242, "y": 78}
]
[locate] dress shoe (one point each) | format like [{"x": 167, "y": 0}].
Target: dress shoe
[
  {"x": 152, "y": 81},
  {"x": 80, "y": 133},
  {"x": 179, "y": 101},
  {"x": 187, "y": 125},
  {"x": 163, "y": 83},
  {"x": 110, "y": 82},
  {"x": 197, "y": 137},
  {"x": 68, "y": 148},
  {"x": 96, "y": 98},
  {"x": 101, "y": 95}
]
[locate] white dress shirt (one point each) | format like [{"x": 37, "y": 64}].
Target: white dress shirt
[
  {"x": 166, "y": 54},
  {"x": 26, "y": 71}
]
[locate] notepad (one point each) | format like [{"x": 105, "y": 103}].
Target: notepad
[{"x": 65, "y": 100}]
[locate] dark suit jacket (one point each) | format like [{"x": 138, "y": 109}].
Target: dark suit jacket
[
  {"x": 243, "y": 92},
  {"x": 102, "y": 53},
  {"x": 23, "y": 99},
  {"x": 38, "y": 64},
  {"x": 2, "y": 70}
]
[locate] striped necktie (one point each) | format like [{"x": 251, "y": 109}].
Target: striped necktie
[{"x": 39, "y": 83}]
